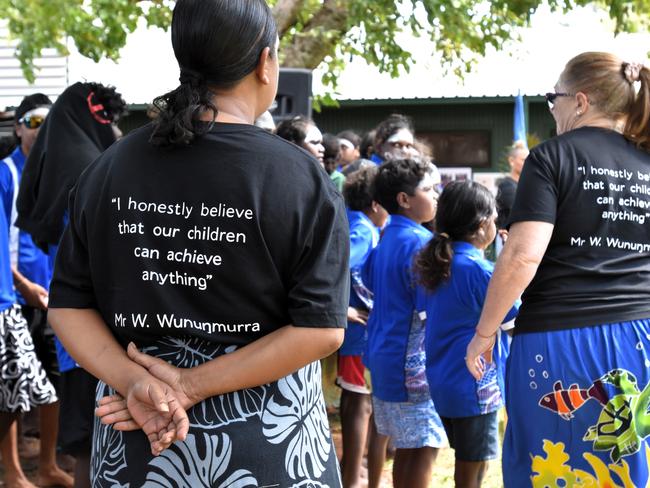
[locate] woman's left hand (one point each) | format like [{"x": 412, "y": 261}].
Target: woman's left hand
[
  {"x": 479, "y": 352},
  {"x": 114, "y": 410}
]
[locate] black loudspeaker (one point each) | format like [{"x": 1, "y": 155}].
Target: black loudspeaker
[{"x": 294, "y": 94}]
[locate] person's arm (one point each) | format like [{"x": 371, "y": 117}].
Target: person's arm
[
  {"x": 34, "y": 294},
  {"x": 153, "y": 405},
  {"x": 268, "y": 359},
  {"x": 514, "y": 270}
]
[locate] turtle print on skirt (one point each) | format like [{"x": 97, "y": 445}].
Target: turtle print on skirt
[{"x": 579, "y": 407}]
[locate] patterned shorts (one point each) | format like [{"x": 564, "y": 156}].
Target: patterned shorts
[
  {"x": 410, "y": 425},
  {"x": 23, "y": 381}
]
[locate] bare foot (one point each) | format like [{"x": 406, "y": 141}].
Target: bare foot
[
  {"x": 65, "y": 462},
  {"x": 17, "y": 481},
  {"x": 55, "y": 477}
]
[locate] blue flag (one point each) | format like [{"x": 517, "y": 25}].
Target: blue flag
[{"x": 519, "y": 126}]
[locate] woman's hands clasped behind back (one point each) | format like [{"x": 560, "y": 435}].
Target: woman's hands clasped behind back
[{"x": 157, "y": 403}]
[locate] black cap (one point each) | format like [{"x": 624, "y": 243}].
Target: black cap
[{"x": 30, "y": 102}]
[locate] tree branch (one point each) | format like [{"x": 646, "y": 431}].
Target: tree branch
[
  {"x": 319, "y": 38},
  {"x": 286, "y": 13}
]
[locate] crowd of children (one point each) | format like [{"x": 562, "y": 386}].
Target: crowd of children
[{"x": 402, "y": 383}]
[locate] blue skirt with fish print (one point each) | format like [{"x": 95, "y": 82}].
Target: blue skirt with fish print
[{"x": 578, "y": 403}]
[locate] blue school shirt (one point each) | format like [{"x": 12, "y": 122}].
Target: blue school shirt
[
  {"x": 452, "y": 312},
  {"x": 66, "y": 363},
  {"x": 364, "y": 236},
  {"x": 7, "y": 293},
  {"x": 388, "y": 274},
  {"x": 32, "y": 262}
]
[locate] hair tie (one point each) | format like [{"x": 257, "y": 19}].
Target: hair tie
[
  {"x": 443, "y": 234},
  {"x": 632, "y": 71},
  {"x": 191, "y": 77},
  {"x": 97, "y": 110}
]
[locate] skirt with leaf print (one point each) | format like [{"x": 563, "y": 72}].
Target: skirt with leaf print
[{"x": 275, "y": 435}]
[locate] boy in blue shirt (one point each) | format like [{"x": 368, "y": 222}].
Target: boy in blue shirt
[
  {"x": 402, "y": 406},
  {"x": 365, "y": 217}
]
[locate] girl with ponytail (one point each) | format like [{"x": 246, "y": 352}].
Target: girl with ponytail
[{"x": 454, "y": 276}]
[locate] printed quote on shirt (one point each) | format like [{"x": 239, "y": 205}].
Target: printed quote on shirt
[
  {"x": 156, "y": 247},
  {"x": 619, "y": 195}
]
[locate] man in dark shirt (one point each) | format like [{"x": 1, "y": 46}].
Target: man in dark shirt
[{"x": 507, "y": 189}]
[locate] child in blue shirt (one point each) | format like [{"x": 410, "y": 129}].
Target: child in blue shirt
[
  {"x": 402, "y": 405},
  {"x": 365, "y": 217},
  {"x": 455, "y": 275}
]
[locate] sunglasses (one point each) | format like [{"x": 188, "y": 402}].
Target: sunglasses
[
  {"x": 551, "y": 96},
  {"x": 32, "y": 121}
]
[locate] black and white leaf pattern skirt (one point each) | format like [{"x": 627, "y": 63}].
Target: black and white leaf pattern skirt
[
  {"x": 23, "y": 382},
  {"x": 275, "y": 435}
]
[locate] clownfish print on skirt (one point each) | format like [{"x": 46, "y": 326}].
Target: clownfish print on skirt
[{"x": 566, "y": 401}]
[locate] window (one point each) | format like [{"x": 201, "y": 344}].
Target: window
[{"x": 459, "y": 148}]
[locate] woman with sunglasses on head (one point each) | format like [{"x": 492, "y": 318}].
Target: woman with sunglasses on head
[
  {"x": 579, "y": 250},
  {"x": 221, "y": 251}
]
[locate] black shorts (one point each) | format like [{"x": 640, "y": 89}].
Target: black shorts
[
  {"x": 77, "y": 415},
  {"x": 474, "y": 439}
]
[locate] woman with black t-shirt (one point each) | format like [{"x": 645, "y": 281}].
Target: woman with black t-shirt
[
  {"x": 578, "y": 377},
  {"x": 221, "y": 251}
]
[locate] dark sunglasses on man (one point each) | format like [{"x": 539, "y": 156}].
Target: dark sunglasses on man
[
  {"x": 32, "y": 121},
  {"x": 551, "y": 96}
]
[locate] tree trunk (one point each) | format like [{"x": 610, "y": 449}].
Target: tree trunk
[
  {"x": 319, "y": 38},
  {"x": 286, "y": 12}
]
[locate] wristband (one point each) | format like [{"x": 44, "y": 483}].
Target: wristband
[{"x": 485, "y": 336}]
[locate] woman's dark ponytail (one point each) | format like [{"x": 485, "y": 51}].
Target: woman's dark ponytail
[
  {"x": 217, "y": 43},
  {"x": 462, "y": 208},
  {"x": 179, "y": 113}
]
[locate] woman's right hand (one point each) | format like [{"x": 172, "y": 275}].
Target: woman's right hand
[
  {"x": 175, "y": 377},
  {"x": 479, "y": 352}
]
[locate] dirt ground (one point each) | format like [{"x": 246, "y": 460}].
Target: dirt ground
[
  {"x": 443, "y": 476},
  {"x": 443, "y": 472}
]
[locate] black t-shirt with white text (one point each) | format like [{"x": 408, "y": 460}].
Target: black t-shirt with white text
[
  {"x": 227, "y": 239},
  {"x": 594, "y": 186}
]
